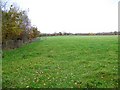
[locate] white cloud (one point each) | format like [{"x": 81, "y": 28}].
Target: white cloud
[{"x": 73, "y": 15}]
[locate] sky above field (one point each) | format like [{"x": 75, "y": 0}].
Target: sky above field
[{"x": 75, "y": 16}]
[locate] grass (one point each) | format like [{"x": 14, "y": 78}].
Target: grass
[{"x": 63, "y": 62}]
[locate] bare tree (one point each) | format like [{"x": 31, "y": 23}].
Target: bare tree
[{"x": 3, "y": 4}]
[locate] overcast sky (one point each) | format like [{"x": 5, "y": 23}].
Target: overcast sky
[{"x": 74, "y": 16}]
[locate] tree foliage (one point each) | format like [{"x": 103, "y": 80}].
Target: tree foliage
[{"x": 16, "y": 25}]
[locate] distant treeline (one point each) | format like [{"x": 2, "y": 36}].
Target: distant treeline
[
  {"x": 16, "y": 27},
  {"x": 60, "y": 33}
]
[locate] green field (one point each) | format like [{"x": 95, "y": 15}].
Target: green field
[{"x": 63, "y": 62}]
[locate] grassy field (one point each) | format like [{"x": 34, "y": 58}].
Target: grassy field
[{"x": 63, "y": 62}]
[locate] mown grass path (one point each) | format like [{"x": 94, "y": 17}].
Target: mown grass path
[{"x": 63, "y": 61}]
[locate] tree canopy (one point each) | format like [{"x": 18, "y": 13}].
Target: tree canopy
[{"x": 17, "y": 25}]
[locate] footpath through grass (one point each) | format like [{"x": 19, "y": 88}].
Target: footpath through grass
[{"x": 63, "y": 62}]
